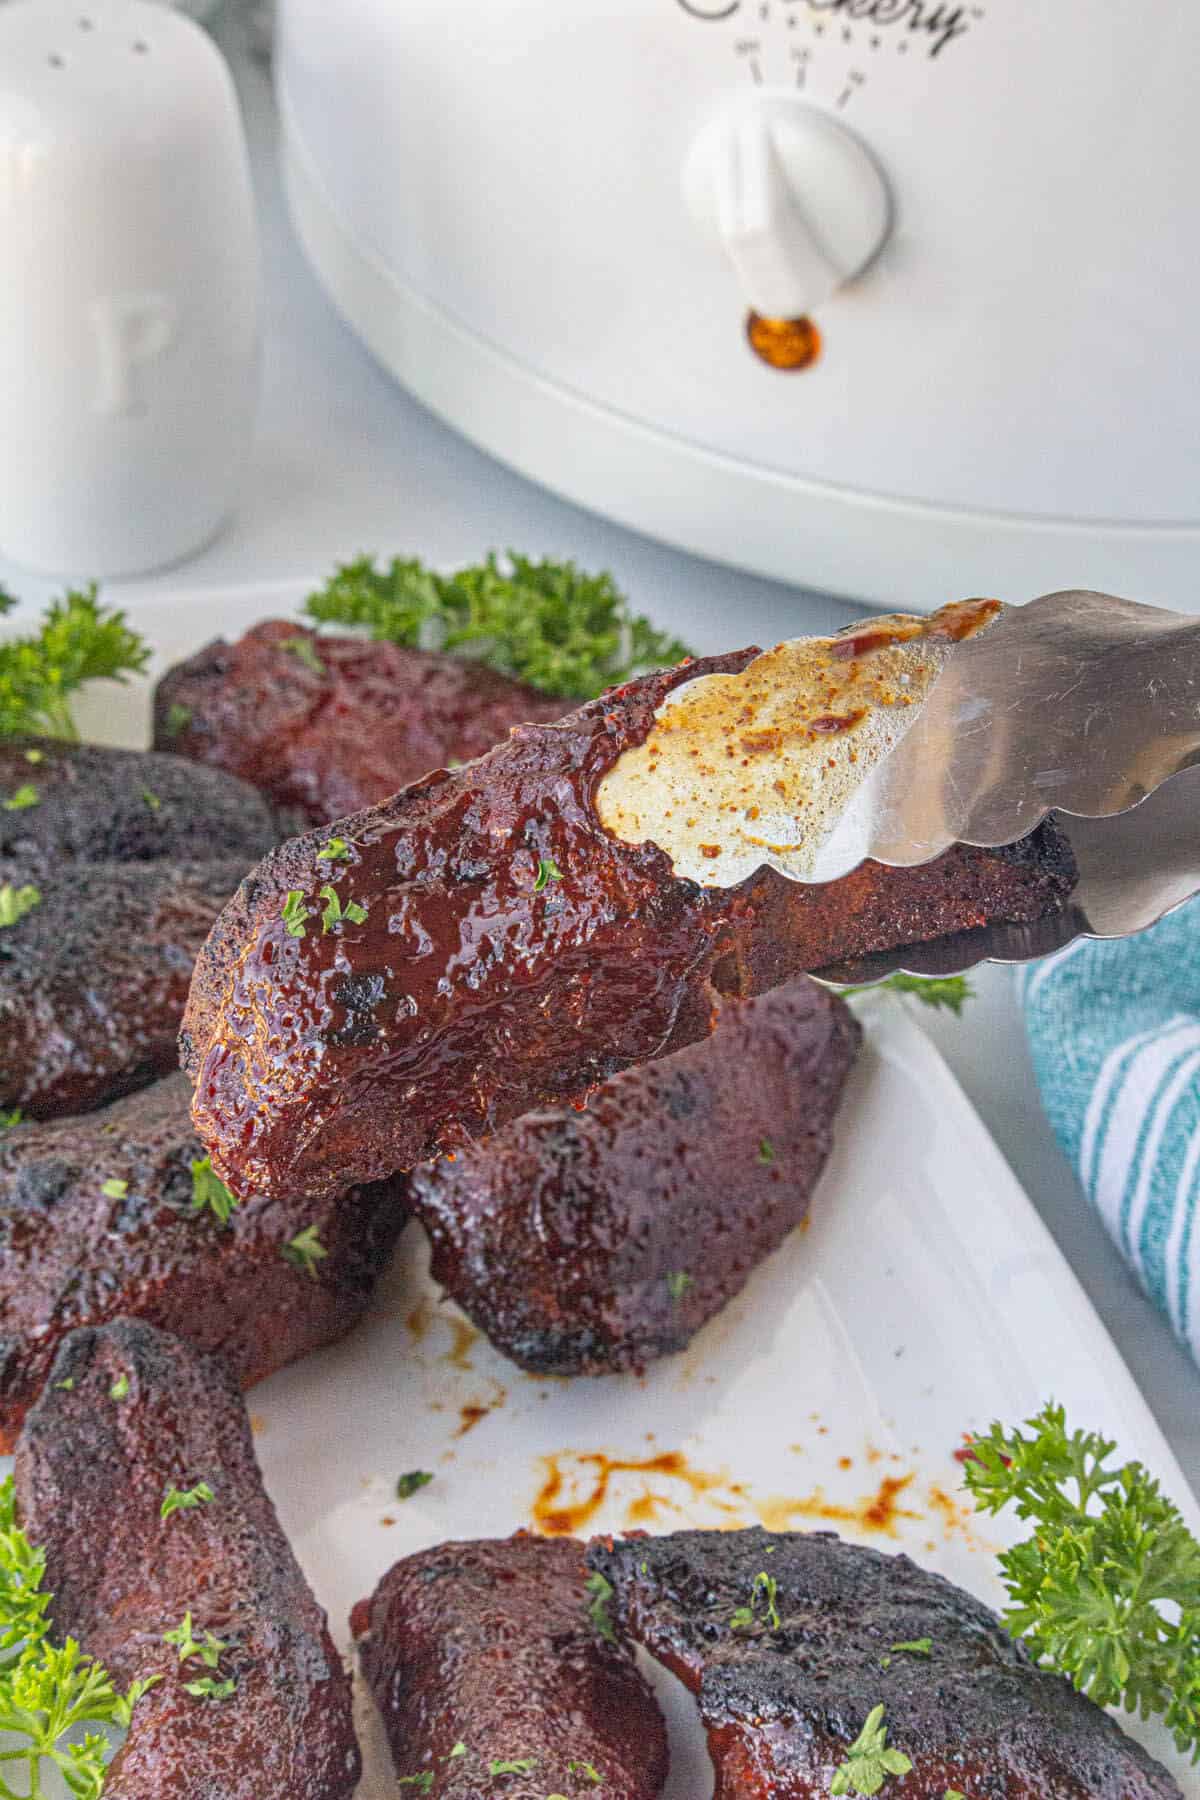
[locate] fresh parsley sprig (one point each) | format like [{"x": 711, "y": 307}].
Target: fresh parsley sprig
[
  {"x": 335, "y": 913},
  {"x": 15, "y": 902},
  {"x": 869, "y": 1760},
  {"x": 601, "y": 1590},
  {"x": 210, "y": 1193},
  {"x": 305, "y": 1251},
  {"x": 950, "y": 991},
  {"x": 543, "y": 622},
  {"x": 1106, "y": 1589},
  {"x": 48, "y": 1691},
  {"x": 747, "y": 1616},
  {"x": 412, "y": 1483},
  {"x": 185, "y": 1499},
  {"x": 78, "y": 641}
]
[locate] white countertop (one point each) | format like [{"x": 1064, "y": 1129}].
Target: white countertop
[{"x": 345, "y": 462}]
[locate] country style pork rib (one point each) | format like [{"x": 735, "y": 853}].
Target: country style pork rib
[
  {"x": 784, "y": 1695},
  {"x": 63, "y": 802},
  {"x": 512, "y": 953},
  {"x": 583, "y": 1242},
  {"x": 131, "y": 857},
  {"x": 98, "y": 1219},
  {"x": 130, "y": 1414},
  {"x": 94, "y": 978},
  {"x": 484, "y": 1653},
  {"x": 326, "y": 725}
]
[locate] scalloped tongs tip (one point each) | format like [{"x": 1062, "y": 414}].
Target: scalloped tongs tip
[{"x": 901, "y": 736}]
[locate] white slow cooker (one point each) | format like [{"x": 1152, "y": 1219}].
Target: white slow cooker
[{"x": 972, "y": 230}]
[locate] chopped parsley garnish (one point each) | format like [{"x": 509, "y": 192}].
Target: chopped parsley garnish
[
  {"x": 601, "y": 1591},
  {"x": 208, "y": 1649},
  {"x": 10, "y": 1118},
  {"x": 208, "y": 1190},
  {"x": 67, "y": 1386},
  {"x": 47, "y": 1693},
  {"x": 766, "y": 1152},
  {"x": 185, "y": 1499},
  {"x": 114, "y": 1188},
  {"x": 305, "y": 651},
  {"x": 915, "y": 1647},
  {"x": 406, "y": 1487},
  {"x": 460, "y": 1749},
  {"x": 334, "y": 914},
  {"x": 951, "y": 991},
  {"x": 1106, "y": 1589},
  {"x": 294, "y": 913},
  {"x": 424, "y": 1780},
  {"x": 543, "y": 622},
  {"x": 15, "y": 902},
  {"x": 746, "y": 1616},
  {"x": 869, "y": 1761},
  {"x": 546, "y": 871},
  {"x": 336, "y": 850},
  {"x": 120, "y": 1388},
  {"x": 518, "y": 1765},
  {"x": 152, "y": 800},
  {"x": 305, "y": 1251},
  {"x": 179, "y": 717},
  {"x": 24, "y": 797},
  {"x": 953, "y": 1794},
  {"x": 678, "y": 1283},
  {"x": 78, "y": 641},
  {"x": 35, "y": 756},
  {"x": 209, "y": 1688},
  {"x": 588, "y": 1771}
]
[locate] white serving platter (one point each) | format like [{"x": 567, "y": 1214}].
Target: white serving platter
[{"x": 925, "y": 1299}]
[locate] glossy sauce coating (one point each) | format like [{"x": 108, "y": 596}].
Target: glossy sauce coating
[
  {"x": 91, "y": 1473},
  {"x": 584, "y": 1242},
  {"x": 513, "y": 953},
  {"x": 782, "y": 1705},
  {"x": 72, "y": 1255},
  {"x": 489, "y": 1645},
  {"x": 327, "y": 725}
]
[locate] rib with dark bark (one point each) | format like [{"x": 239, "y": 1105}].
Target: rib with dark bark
[
  {"x": 583, "y": 1242},
  {"x": 89, "y": 803},
  {"x": 484, "y": 1653},
  {"x": 783, "y": 1696},
  {"x": 91, "y": 1473},
  {"x": 327, "y": 725},
  {"x": 72, "y": 1254},
  {"x": 513, "y": 954},
  {"x": 93, "y": 980}
]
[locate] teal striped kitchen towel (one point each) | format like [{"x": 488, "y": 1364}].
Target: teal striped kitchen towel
[{"x": 1115, "y": 1033}]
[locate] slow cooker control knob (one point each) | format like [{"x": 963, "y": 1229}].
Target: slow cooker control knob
[{"x": 795, "y": 199}]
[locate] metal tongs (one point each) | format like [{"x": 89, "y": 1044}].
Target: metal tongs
[{"x": 1078, "y": 703}]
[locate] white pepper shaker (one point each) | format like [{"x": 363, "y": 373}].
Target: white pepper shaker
[{"x": 129, "y": 297}]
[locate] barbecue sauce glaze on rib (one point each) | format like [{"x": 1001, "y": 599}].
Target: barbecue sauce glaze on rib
[
  {"x": 490, "y": 1646},
  {"x": 326, "y": 724},
  {"x": 635, "y": 1220},
  {"x": 513, "y": 953},
  {"x": 72, "y": 1254},
  {"x": 91, "y": 1472},
  {"x": 781, "y": 1703}
]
